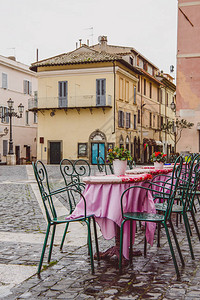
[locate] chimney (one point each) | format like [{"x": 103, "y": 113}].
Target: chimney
[
  {"x": 88, "y": 43},
  {"x": 12, "y": 58},
  {"x": 80, "y": 40},
  {"x": 76, "y": 45},
  {"x": 103, "y": 43}
]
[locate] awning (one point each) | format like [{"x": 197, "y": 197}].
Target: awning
[
  {"x": 149, "y": 142},
  {"x": 159, "y": 143}
]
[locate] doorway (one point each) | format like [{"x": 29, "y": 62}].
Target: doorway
[
  {"x": 28, "y": 153},
  {"x": 17, "y": 153},
  {"x": 55, "y": 152},
  {"x": 98, "y": 149}
]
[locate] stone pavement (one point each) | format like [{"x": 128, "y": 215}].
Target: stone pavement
[{"x": 22, "y": 228}]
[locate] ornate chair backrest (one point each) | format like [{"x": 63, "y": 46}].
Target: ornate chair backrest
[
  {"x": 193, "y": 181},
  {"x": 44, "y": 187},
  {"x": 102, "y": 166},
  {"x": 173, "y": 185}
]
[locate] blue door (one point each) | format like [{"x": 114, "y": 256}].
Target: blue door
[{"x": 98, "y": 149}]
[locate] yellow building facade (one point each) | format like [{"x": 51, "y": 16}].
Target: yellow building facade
[{"x": 84, "y": 107}]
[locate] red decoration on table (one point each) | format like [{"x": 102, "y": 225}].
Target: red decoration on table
[{"x": 135, "y": 178}]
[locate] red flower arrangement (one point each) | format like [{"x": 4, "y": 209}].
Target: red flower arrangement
[{"x": 158, "y": 157}]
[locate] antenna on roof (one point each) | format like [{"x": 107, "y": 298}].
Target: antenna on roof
[{"x": 92, "y": 32}]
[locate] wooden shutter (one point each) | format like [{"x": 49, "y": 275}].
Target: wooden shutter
[
  {"x": 62, "y": 93},
  {"x": 4, "y": 81},
  {"x": 122, "y": 119},
  {"x": 119, "y": 118},
  {"x": 100, "y": 92},
  {"x": 134, "y": 95},
  {"x": 30, "y": 88},
  {"x": 5, "y": 147}
]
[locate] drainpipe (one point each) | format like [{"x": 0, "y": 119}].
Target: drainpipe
[{"x": 114, "y": 75}]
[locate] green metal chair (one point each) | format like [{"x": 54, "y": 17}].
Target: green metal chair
[
  {"x": 162, "y": 219},
  {"x": 71, "y": 192},
  {"x": 102, "y": 166},
  {"x": 187, "y": 192}
]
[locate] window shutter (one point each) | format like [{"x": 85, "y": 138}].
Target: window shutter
[
  {"x": 5, "y": 147},
  {"x": 24, "y": 86},
  {"x": 119, "y": 118},
  {"x": 7, "y": 117},
  {"x": 134, "y": 95},
  {"x": 4, "y": 81},
  {"x": 30, "y": 88},
  {"x": 122, "y": 119}
]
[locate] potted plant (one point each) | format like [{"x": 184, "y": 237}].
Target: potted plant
[
  {"x": 158, "y": 158},
  {"x": 119, "y": 156}
]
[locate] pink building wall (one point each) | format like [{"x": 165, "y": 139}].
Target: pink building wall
[{"x": 188, "y": 72}]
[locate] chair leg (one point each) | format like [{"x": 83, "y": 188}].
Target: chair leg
[
  {"x": 158, "y": 234},
  {"x": 145, "y": 241},
  {"x": 96, "y": 238},
  {"x": 131, "y": 243},
  {"x": 172, "y": 252},
  {"x": 43, "y": 249},
  {"x": 63, "y": 238},
  {"x": 90, "y": 245},
  {"x": 195, "y": 223},
  {"x": 51, "y": 244},
  {"x": 177, "y": 244},
  {"x": 121, "y": 245},
  {"x": 188, "y": 234}
]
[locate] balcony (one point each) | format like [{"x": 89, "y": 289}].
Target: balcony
[{"x": 84, "y": 101}]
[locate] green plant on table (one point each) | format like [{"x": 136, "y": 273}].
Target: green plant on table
[{"x": 118, "y": 153}]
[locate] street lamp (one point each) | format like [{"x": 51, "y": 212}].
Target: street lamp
[{"x": 11, "y": 113}]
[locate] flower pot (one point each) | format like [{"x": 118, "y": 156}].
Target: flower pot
[
  {"x": 119, "y": 166},
  {"x": 158, "y": 165}
]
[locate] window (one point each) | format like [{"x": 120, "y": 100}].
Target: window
[
  {"x": 5, "y": 147},
  {"x": 138, "y": 116},
  {"x": 161, "y": 122},
  {"x": 138, "y": 83},
  {"x": 127, "y": 91},
  {"x": 62, "y": 93},
  {"x": 150, "y": 90},
  {"x": 27, "y": 87},
  {"x": 161, "y": 95},
  {"x": 120, "y": 118},
  {"x": 144, "y": 86},
  {"x": 82, "y": 149},
  {"x": 4, "y": 119},
  {"x": 35, "y": 117},
  {"x": 158, "y": 94},
  {"x": 4, "y": 81},
  {"x": 135, "y": 122},
  {"x": 131, "y": 61},
  {"x": 158, "y": 122},
  {"x": 121, "y": 84},
  {"x": 100, "y": 92},
  {"x": 150, "y": 119},
  {"x": 154, "y": 121},
  {"x": 128, "y": 120},
  {"x": 134, "y": 95},
  {"x": 27, "y": 117}
]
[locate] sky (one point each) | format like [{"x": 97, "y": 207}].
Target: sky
[{"x": 54, "y": 27}]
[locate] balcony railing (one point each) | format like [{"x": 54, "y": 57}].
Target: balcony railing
[{"x": 83, "y": 101}]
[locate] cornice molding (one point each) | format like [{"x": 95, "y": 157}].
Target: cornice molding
[
  {"x": 17, "y": 68},
  {"x": 189, "y": 4},
  {"x": 75, "y": 72}
]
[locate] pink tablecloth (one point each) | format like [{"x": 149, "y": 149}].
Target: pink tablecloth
[{"x": 103, "y": 200}]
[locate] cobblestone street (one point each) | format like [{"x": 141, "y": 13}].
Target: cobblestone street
[{"x": 22, "y": 228}]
